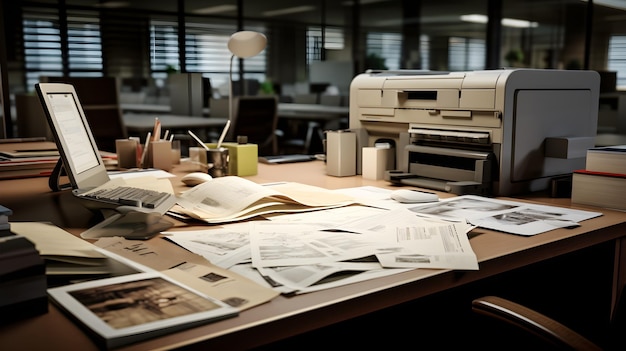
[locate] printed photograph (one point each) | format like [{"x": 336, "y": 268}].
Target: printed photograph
[{"x": 133, "y": 303}]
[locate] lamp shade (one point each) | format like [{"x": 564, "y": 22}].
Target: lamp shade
[{"x": 246, "y": 44}]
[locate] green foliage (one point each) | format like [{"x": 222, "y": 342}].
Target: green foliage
[
  {"x": 374, "y": 61},
  {"x": 514, "y": 56}
]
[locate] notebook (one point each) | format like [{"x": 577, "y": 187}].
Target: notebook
[{"x": 78, "y": 151}]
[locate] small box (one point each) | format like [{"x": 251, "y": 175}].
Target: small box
[
  {"x": 375, "y": 162},
  {"x": 341, "y": 153},
  {"x": 244, "y": 158}
]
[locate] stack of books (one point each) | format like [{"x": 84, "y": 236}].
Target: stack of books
[
  {"x": 22, "y": 275},
  {"x": 27, "y": 163},
  {"x": 603, "y": 181}
]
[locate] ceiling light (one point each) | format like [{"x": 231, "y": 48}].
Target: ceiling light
[
  {"x": 516, "y": 23},
  {"x": 507, "y": 22},
  {"x": 288, "y": 11},
  {"x": 113, "y": 4},
  {"x": 215, "y": 9}
]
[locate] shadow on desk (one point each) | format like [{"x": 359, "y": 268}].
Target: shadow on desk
[{"x": 446, "y": 320}]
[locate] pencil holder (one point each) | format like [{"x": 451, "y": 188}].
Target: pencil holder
[
  {"x": 159, "y": 155},
  {"x": 243, "y": 158},
  {"x": 126, "y": 150},
  {"x": 217, "y": 160},
  {"x": 198, "y": 159}
]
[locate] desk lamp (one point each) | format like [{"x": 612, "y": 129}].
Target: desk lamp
[{"x": 242, "y": 44}]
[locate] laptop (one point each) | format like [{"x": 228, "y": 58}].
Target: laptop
[{"x": 81, "y": 158}]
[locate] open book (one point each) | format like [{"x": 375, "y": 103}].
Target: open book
[{"x": 228, "y": 199}]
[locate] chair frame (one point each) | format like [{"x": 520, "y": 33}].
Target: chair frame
[{"x": 546, "y": 328}]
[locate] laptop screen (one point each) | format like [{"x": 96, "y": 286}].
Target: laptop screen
[{"x": 72, "y": 134}]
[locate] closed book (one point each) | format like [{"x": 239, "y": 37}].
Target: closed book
[
  {"x": 610, "y": 159},
  {"x": 600, "y": 189}
]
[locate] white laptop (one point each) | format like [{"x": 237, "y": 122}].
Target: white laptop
[{"x": 81, "y": 158}]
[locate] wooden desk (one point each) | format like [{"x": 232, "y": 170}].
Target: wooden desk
[{"x": 286, "y": 316}]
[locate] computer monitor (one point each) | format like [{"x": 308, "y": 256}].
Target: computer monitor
[{"x": 78, "y": 151}]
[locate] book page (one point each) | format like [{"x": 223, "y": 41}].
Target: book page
[{"x": 232, "y": 198}]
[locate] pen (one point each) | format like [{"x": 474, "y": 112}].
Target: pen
[{"x": 198, "y": 140}]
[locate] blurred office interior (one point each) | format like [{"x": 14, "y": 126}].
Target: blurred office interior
[{"x": 315, "y": 47}]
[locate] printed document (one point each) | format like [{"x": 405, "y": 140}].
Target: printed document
[{"x": 506, "y": 216}]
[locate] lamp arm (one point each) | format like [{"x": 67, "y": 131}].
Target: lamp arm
[
  {"x": 230, "y": 103},
  {"x": 230, "y": 89}
]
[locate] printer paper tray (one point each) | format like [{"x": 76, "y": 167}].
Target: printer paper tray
[{"x": 454, "y": 187}]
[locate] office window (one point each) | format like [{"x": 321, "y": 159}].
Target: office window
[
  {"x": 43, "y": 51},
  {"x": 163, "y": 48},
  {"x": 84, "y": 44},
  {"x": 386, "y": 48},
  {"x": 617, "y": 58},
  {"x": 333, "y": 40},
  {"x": 206, "y": 51},
  {"x": 466, "y": 54}
]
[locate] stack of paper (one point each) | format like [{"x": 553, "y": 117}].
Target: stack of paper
[{"x": 66, "y": 254}]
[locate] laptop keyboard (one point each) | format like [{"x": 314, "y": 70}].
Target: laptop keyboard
[{"x": 130, "y": 196}]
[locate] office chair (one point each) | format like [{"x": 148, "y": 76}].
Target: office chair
[
  {"x": 257, "y": 117},
  {"x": 297, "y": 140},
  {"x": 99, "y": 97},
  {"x": 550, "y": 332}
]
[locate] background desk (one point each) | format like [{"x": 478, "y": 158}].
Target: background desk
[
  {"x": 285, "y": 110},
  {"x": 138, "y": 124},
  {"x": 283, "y": 317}
]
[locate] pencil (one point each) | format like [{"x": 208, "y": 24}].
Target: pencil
[
  {"x": 198, "y": 140},
  {"x": 219, "y": 142},
  {"x": 145, "y": 148},
  {"x": 156, "y": 133}
]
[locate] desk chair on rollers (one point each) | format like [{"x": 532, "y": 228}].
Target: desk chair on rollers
[
  {"x": 294, "y": 142},
  {"x": 550, "y": 334}
]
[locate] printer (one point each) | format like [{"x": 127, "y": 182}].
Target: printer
[{"x": 493, "y": 132}]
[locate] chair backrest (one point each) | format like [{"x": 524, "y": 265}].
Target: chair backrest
[
  {"x": 218, "y": 107},
  {"x": 99, "y": 97},
  {"x": 257, "y": 117}
]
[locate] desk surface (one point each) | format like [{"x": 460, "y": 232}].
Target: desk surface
[{"x": 31, "y": 200}]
